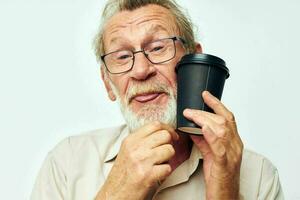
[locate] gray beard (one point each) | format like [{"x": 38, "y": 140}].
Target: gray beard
[{"x": 148, "y": 113}]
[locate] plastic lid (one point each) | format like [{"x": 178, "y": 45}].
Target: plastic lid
[{"x": 203, "y": 59}]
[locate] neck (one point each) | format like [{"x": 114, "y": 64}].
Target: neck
[{"x": 183, "y": 148}]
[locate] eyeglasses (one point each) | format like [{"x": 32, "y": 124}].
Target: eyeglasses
[{"x": 157, "y": 52}]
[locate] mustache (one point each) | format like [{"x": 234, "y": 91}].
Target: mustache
[{"x": 146, "y": 88}]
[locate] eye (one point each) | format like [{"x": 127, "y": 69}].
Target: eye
[
  {"x": 157, "y": 48},
  {"x": 122, "y": 55}
]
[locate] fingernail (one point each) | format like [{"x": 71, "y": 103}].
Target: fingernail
[
  {"x": 187, "y": 111},
  {"x": 206, "y": 93}
]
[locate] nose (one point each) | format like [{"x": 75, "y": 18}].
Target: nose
[{"x": 142, "y": 68}]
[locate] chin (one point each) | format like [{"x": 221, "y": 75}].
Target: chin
[
  {"x": 150, "y": 113},
  {"x": 161, "y": 109}
]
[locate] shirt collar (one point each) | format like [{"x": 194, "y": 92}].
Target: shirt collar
[
  {"x": 183, "y": 172},
  {"x": 116, "y": 145},
  {"x": 179, "y": 175}
]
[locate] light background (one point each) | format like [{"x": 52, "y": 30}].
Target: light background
[{"x": 50, "y": 86}]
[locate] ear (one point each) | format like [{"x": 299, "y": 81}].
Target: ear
[
  {"x": 105, "y": 80},
  {"x": 198, "y": 47}
]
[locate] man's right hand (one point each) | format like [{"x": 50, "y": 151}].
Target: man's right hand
[{"x": 141, "y": 163}]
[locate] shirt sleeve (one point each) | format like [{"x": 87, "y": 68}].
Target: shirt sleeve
[
  {"x": 51, "y": 182},
  {"x": 270, "y": 187}
]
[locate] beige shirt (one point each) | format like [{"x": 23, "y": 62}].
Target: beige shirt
[{"x": 77, "y": 168}]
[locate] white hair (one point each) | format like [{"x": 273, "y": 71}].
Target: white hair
[{"x": 112, "y": 7}]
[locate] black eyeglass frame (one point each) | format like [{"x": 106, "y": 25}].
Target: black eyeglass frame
[{"x": 175, "y": 38}]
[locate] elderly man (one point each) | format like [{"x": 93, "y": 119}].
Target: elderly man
[{"x": 138, "y": 45}]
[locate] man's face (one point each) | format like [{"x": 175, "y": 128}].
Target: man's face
[{"x": 148, "y": 91}]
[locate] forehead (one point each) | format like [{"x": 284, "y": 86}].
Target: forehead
[{"x": 139, "y": 23}]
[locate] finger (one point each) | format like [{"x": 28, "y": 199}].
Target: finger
[
  {"x": 201, "y": 144},
  {"x": 222, "y": 130},
  {"x": 163, "y": 153},
  {"x": 201, "y": 119},
  {"x": 190, "y": 114},
  {"x": 218, "y": 126},
  {"x": 216, "y": 144},
  {"x": 217, "y": 118},
  {"x": 158, "y": 138},
  {"x": 161, "y": 172},
  {"x": 215, "y": 104},
  {"x": 150, "y": 128}
]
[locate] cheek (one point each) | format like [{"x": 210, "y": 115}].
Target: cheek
[
  {"x": 169, "y": 72},
  {"x": 172, "y": 73},
  {"x": 169, "y": 75},
  {"x": 173, "y": 78},
  {"x": 121, "y": 84},
  {"x": 180, "y": 54}
]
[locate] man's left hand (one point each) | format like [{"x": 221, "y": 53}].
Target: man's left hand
[{"x": 221, "y": 148}]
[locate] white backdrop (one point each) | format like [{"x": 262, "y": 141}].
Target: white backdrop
[{"x": 50, "y": 86}]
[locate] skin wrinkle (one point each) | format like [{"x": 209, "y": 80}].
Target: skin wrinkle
[
  {"x": 220, "y": 159},
  {"x": 138, "y": 32},
  {"x": 152, "y": 31},
  {"x": 136, "y": 119},
  {"x": 135, "y": 20},
  {"x": 161, "y": 21}
]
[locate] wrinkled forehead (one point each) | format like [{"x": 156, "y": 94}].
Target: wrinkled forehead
[{"x": 145, "y": 21}]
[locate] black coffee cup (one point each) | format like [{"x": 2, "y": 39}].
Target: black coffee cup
[{"x": 196, "y": 73}]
